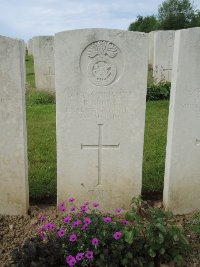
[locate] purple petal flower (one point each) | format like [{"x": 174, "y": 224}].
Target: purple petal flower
[
  {"x": 118, "y": 210},
  {"x": 84, "y": 208},
  {"x": 125, "y": 222},
  {"x": 50, "y": 226},
  {"x": 67, "y": 219},
  {"x": 61, "y": 232},
  {"x": 43, "y": 235},
  {"x": 84, "y": 227},
  {"x": 87, "y": 220},
  {"x": 76, "y": 223},
  {"x": 79, "y": 256},
  {"x": 95, "y": 205},
  {"x": 107, "y": 219},
  {"x": 73, "y": 208},
  {"x": 73, "y": 237},
  {"x": 42, "y": 218},
  {"x": 86, "y": 203},
  {"x": 71, "y": 199},
  {"x": 117, "y": 235},
  {"x": 71, "y": 260},
  {"x": 41, "y": 228},
  {"x": 62, "y": 207},
  {"x": 89, "y": 255},
  {"x": 95, "y": 241}
]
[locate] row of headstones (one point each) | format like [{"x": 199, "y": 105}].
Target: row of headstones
[
  {"x": 161, "y": 46},
  {"x": 100, "y": 104}
]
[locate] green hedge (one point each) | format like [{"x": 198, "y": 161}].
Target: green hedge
[{"x": 158, "y": 91}]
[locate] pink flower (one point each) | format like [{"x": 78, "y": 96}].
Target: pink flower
[
  {"x": 76, "y": 223},
  {"x": 86, "y": 203},
  {"x": 118, "y": 210},
  {"x": 72, "y": 208},
  {"x": 87, "y": 221},
  {"x": 84, "y": 227},
  {"x": 89, "y": 255},
  {"x": 71, "y": 260},
  {"x": 125, "y": 222},
  {"x": 61, "y": 232},
  {"x": 62, "y": 207},
  {"x": 79, "y": 256},
  {"x": 117, "y": 235},
  {"x": 42, "y": 228},
  {"x": 43, "y": 235},
  {"x": 71, "y": 199},
  {"x": 73, "y": 237},
  {"x": 42, "y": 218},
  {"x": 95, "y": 241},
  {"x": 84, "y": 208},
  {"x": 67, "y": 219},
  {"x": 95, "y": 205},
  {"x": 50, "y": 226},
  {"x": 107, "y": 219}
]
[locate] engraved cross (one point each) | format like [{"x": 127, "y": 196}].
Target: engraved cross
[{"x": 100, "y": 147}]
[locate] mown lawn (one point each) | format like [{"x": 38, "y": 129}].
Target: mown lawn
[{"x": 41, "y": 128}]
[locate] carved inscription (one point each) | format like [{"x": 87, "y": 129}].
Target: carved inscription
[
  {"x": 99, "y": 105},
  {"x": 193, "y": 101},
  {"x": 102, "y": 60},
  {"x": 100, "y": 147}
]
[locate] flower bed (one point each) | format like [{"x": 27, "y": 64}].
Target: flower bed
[{"x": 145, "y": 236}]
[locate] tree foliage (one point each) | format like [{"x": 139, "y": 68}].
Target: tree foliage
[
  {"x": 172, "y": 15},
  {"x": 176, "y": 14},
  {"x": 144, "y": 24}
]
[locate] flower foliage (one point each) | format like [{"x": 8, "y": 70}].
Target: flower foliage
[
  {"x": 144, "y": 236},
  {"x": 89, "y": 237}
]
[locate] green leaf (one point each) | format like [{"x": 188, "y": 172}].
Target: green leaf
[
  {"x": 162, "y": 251},
  {"x": 176, "y": 238},
  {"x": 130, "y": 216},
  {"x": 129, "y": 235},
  {"x": 161, "y": 228},
  {"x": 129, "y": 255},
  {"x": 160, "y": 238},
  {"x": 178, "y": 260},
  {"x": 152, "y": 253}
]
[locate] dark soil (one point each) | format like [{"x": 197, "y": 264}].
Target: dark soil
[{"x": 15, "y": 230}]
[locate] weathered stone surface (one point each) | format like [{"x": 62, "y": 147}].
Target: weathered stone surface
[
  {"x": 151, "y": 47},
  {"x": 43, "y": 47},
  {"x": 30, "y": 46},
  {"x": 13, "y": 145},
  {"x": 100, "y": 92},
  {"x": 163, "y": 55},
  {"x": 182, "y": 173}
]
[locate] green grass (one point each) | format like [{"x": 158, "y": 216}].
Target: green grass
[
  {"x": 41, "y": 128},
  {"x": 155, "y": 145},
  {"x": 30, "y": 75}
]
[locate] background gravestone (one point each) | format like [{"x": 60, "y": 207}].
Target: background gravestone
[
  {"x": 163, "y": 55},
  {"x": 182, "y": 173},
  {"x": 13, "y": 145},
  {"x": 101, "y": 80},
  {"x": 151, "y": 47},
  {"x": 30, "y": 46},
  {"x": 43, "y": 47}
]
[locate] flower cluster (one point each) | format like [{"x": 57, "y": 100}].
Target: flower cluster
[{"x": 84, "y": 231}]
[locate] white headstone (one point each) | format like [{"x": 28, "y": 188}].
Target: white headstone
[
  {"x": 182, "y": 173},
  {"x": 163, "y": 55},
  {"x": 101, "y": 78},
  {"x": 30, "y": 47},
  {"x": 43, "y": 47},
  {"x": 13, "y": 145},
  {"x": 151, "y": 47}
]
